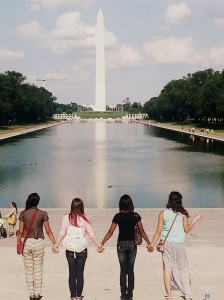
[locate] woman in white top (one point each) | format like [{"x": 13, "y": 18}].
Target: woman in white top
[
  {"x": 74, "y": 230},
  {"x": 13, "y": 214},
  {"x": 175, "y": 265}
]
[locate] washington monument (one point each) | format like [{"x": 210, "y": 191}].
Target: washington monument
[{"x": 100, "y": 100}]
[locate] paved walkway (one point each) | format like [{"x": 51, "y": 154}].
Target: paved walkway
[
  {"x": 210, "y": 135},
  {"x": 204, "y": 245},
  {"x": 24, "y": 131}
]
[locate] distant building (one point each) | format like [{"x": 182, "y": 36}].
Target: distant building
[
  {"x": 85, "y": 108},
  {"x": 126, "y": 101}
]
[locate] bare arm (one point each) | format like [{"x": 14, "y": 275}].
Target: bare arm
[
  {"x": 10, "y": 214},
  {"x": 97, "y": 243},
  {"x": 142, "y": 232},
  {"x": 109, "y": 233},
  {"x": 158, "y": 229},
  {"x": 49, "y": 231},
  {"x": 55, "y": 246},
  {"x": 189, "y": 226},
  {"x": 20, "y": 232}
]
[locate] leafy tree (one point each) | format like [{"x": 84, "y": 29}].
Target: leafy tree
[
  {"x": 198, "y": 97},
  {"x": 21, "y": 102}
]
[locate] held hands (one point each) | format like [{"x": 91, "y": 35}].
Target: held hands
[
  {"x": 55, "y": 249},
  {"x": 150, "y": 248},
  {"x": 100, "y": 249}
]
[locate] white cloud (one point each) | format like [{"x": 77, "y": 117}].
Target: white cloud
[
  {"x": 123, "y": 56},
  {"x": 69, "y": 26},
  {"x": 70, "y": 33},
  {"x": 51, "y": 4},
  {"x": 216, "y": 56},
  {"x": 175, "y": 13},
  {"x": 110, "y": 39},
  {"x": 219, "y": 22},
  {"x": 173, "y": 51},
  {"x": 31, "y": 30},
  {"x": 6, "y": 54}
]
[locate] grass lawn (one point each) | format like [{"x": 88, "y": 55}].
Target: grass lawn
[{"x": 103, "y": 115}]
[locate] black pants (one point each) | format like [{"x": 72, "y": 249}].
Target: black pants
[
  {"x": 127, "y": 251},
  {"x": 76, "y": 264}
]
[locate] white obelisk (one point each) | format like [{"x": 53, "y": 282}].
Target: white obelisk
[{"x": 100, "y": 100}]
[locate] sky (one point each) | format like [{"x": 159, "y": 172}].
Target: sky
[{"x": 148, "y": 43}]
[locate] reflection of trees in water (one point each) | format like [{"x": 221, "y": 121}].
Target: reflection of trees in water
[{"x": 191, "y": 143}]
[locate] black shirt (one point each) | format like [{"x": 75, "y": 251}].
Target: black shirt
[{"x": 126, "y": 222}]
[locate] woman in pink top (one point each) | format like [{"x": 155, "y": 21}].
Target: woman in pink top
[{"x": 74, "y": 229}]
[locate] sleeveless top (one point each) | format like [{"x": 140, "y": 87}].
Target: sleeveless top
[{"x": 177, "y": 233}]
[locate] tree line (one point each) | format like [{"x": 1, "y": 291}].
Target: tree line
[
  {"x": 198, "y": 98},
  {"x": 21, "y": 102}
]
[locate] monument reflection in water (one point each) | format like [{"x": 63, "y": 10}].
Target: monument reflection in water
[{"x": 99, "y": 162}]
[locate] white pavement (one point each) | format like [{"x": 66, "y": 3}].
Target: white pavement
[
  {"x": 204, "y": 245},
  {"x": 24, "y": 131}
]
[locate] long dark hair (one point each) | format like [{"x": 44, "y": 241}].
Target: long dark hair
[
  {"x": 175, "y": 203},
  {"x": 32, "y": 201},
  {"x": 15, "y": 206},
  {"x": 77, "y": 209},
  {"x": 126, "y": 203}
]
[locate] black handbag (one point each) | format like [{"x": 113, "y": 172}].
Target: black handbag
[{"x": 138, "y": 236}]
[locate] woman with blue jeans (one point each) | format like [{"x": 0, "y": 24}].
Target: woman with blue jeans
[
  {"x": 126, "y": 220},
  {"x": 73, "y": 224}
]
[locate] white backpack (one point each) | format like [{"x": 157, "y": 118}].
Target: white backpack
[{"x": 74, "y": 239}]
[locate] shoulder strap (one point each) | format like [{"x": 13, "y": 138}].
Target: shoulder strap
[
  {"x": 31, "y": 223},
  {"x": 170, "y": 228}
]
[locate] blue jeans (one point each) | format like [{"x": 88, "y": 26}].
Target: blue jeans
[
  {"x": 76, "y": 264},
  {"x": 127, "y": 251}
]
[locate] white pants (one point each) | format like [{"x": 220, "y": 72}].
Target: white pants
[{"x": 33, "y": 256}]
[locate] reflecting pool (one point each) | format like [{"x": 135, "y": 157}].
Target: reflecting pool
[{"x": 98, "y": 162}]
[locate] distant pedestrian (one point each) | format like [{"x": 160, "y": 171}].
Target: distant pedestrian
[
  {"x": 12, "y": 220},
  {"x": 1, "y": 219},
  {"x": 3, "y": 233},
  {"x": 33, "y": 253},
  {"x": 173, "y": 223},
  {"x": 74, "y": 230},
  {"x": 126, "y": 220}
]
